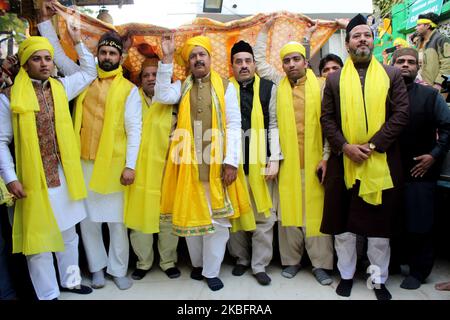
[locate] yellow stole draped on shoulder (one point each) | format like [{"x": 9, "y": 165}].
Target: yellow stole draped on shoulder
[
  {"x": 35, "y": 227},
  {"x": 183, "y": 194},
  {"x": 289, "y": 178},
  {"x": 111, "y": 154},
  {"x": 373, "y": 174},
  {"x": 257, "y": 156},
  {"x": 143, "y": 197}
]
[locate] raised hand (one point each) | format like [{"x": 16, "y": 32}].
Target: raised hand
[
  {"x": 266, "y": 27},
  {"x": 312, "y": 27},
  {"x": 168, "y": 47},
  {"x": 342, "y": 23},
  {"x": 47, "y": 9},
  {"x": 73, "y": 27}
]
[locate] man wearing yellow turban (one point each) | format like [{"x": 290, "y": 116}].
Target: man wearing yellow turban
[
  {"x": 300, "y": 193},
  {"x": 108, "y": 121},
  {"x": 199, "y": 188},
  {"x": 142, "y": 209},
  {"x": 364, "y": 109},
  {"x": 48, "y": 182}
]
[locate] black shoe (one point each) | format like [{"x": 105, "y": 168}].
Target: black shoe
[
  {"x": 410, "y": 283},
  {"x": 173, "y": 273},
  {"x": 214, "y": 283},
  {"x": 262, "y": 278},
  {"x": 138, "y": 274},
  {"x": 239, "y": 270},
  {"x": 196, "y": 273},
  {"x": 382, "y": 292},
  {"x": 82, "y": 290},
  {"x": 344, "y": 288}
]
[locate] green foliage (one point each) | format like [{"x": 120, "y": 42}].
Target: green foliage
[{"x": 10, "y": 22}]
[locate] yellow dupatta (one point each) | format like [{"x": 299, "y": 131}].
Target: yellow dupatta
[
  {"x": 5, "y": 197},
  {"x": 183, "y": 195},
  {"x": 257, "y": 156},
  {"x": 373, "y": 174},
  {"x": 289, "y": 179},
  {"x": 143, "y": 198},
  {"x": 35, "y": 228},
  {"x": 111, "y": 154}
]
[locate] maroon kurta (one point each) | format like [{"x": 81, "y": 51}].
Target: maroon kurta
[{"x": 344, "y": 210}]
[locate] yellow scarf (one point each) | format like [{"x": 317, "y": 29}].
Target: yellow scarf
[
  {"x": 111, "y": 154},
  {"x": 5, "y": 196},
  {"x": 257, "y": 156},
  {"x": 289, "y": 178},
  {"x": 373, "y": 174},
  {"x": 35, "y": 228},
  {"x": 142, "y": 202},
  {"x": 183, "y": 194}
]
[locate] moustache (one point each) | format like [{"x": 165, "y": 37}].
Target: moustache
[
  {"x": 199, "y": 64},
  {"x": 244, "y": 70}
]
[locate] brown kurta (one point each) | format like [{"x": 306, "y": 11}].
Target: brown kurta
[
  {"x": 201, "y": 120},
  {"x": 344, "y": 210}
]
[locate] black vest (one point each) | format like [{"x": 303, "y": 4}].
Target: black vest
[{"x": 246, "y": 96}]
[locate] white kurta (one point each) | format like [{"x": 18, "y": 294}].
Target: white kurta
[
  {"x": 100, "y": 207},
  {"x": 67, "y": 212},
  {"x": 109, "y": 207}
]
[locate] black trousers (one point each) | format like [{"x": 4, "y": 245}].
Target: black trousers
[
  {"x": 418, "y": 224},
  {"x": 420, "y": 254}
]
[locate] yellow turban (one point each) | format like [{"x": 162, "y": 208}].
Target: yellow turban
[
  {"x": 31, "y": 45},
  {"x": 189, "y": 45},
  {"x": 292, "y": 47},
  {"x": 401, "y": 42}
]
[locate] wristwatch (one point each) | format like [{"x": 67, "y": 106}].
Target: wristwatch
[{"x": 372, "y": 146}]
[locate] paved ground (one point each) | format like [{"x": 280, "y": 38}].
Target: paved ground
[{"x": 157, "y": 286}]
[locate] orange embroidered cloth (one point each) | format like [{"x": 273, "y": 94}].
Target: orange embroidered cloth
[{"x": 287, "y": 27}]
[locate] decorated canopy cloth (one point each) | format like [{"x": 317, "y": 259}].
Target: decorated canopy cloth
[{"x": 146, "y": 37}]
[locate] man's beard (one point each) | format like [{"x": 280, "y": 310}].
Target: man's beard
[
  {"x": 108, "y": 66},
  {"x": 361, "y": 55}
]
